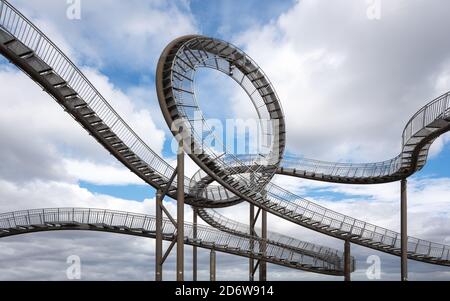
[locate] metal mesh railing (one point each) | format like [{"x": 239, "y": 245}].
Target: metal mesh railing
[
  {"x": 145, "y": 223},
  {"x": 423, "y": 119},
  {"x": 325, "y": 217},
  {"x": 233, "y": 226},
  {"x": 436, "y": 109},
  {"x": 343, "y": 170}
]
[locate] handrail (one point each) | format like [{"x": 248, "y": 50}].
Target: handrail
[{"x": 14, "y": 223}]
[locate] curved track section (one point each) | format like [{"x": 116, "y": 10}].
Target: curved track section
[
  {"x": 39, "y": 220},
  {"x": 175, "y": 86},
  {"x": 225, "y": 224},
  {"x": 422, "y": 129},
  {"x": 30, "y": 50},
  {"x": 308, "y": 214}
]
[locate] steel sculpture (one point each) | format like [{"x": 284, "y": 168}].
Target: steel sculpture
[{"x": 240, "y": 178}]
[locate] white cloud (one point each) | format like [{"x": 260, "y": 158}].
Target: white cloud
[{"x": 101, "y": 174}]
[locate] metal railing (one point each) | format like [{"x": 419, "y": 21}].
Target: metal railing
[
  {"x": 434, "y": 110},
  {"x": 232, "y": 226},
  {"x": 360, "y": 229},
  {"x": 437, "y": 109},
  {"x": 17, "y": 222},
  {"x": 343, "y": 170}
]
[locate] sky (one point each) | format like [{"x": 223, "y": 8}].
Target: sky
[{"x": 348, "y": 80}]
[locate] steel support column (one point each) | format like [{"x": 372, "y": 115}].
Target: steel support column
[
  {"x": 194, "y": 249},
  {"x": 404, "y": 230},
  {"x": 180, "y": 211},
  {"x": 212, "y": 266},
  {"x": 159, "y": 241},
  {"x": 251, "y": 261},
  {"x": 263, "y": 264},
  {"x": 347, "y": 261}
]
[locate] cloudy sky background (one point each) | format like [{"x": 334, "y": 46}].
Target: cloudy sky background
[{"x": 348, "y": 85}]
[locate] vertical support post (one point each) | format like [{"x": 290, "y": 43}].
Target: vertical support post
[
  {"x": 158, "y": 243},
  {"x": 347, "y": 261},
  {"x": 263, "y": 264},
  {"x": 180, "y": 209},
  {"x": 194, "y": 249},
  {"x": 251, "y": 261},
  {"x": 404, "y": 230},
  {"x": 212, "y": 266}
]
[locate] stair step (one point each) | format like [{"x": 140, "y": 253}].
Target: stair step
[
  {"x": 77, "y": 103},
  {"x": 37, "y": 64},
  {"x": 66, "y": 91},
  {"x": 438, "y": 124},
  {"x": 54, "y": 79},
  {"x": 112, "y": 140},
  {"x": 5, "y": 37},
  {"x": 100, "y": 127},
  {"x": 93, "y": 119},
  {"x": 85, "y": 111},
  {"x": 18, "y": 48},
  {"x": 423, "y": 133},
  {"x": 108, "y": 134}
]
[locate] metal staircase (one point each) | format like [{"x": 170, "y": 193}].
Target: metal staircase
[{"x": 31, "y": 51}]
